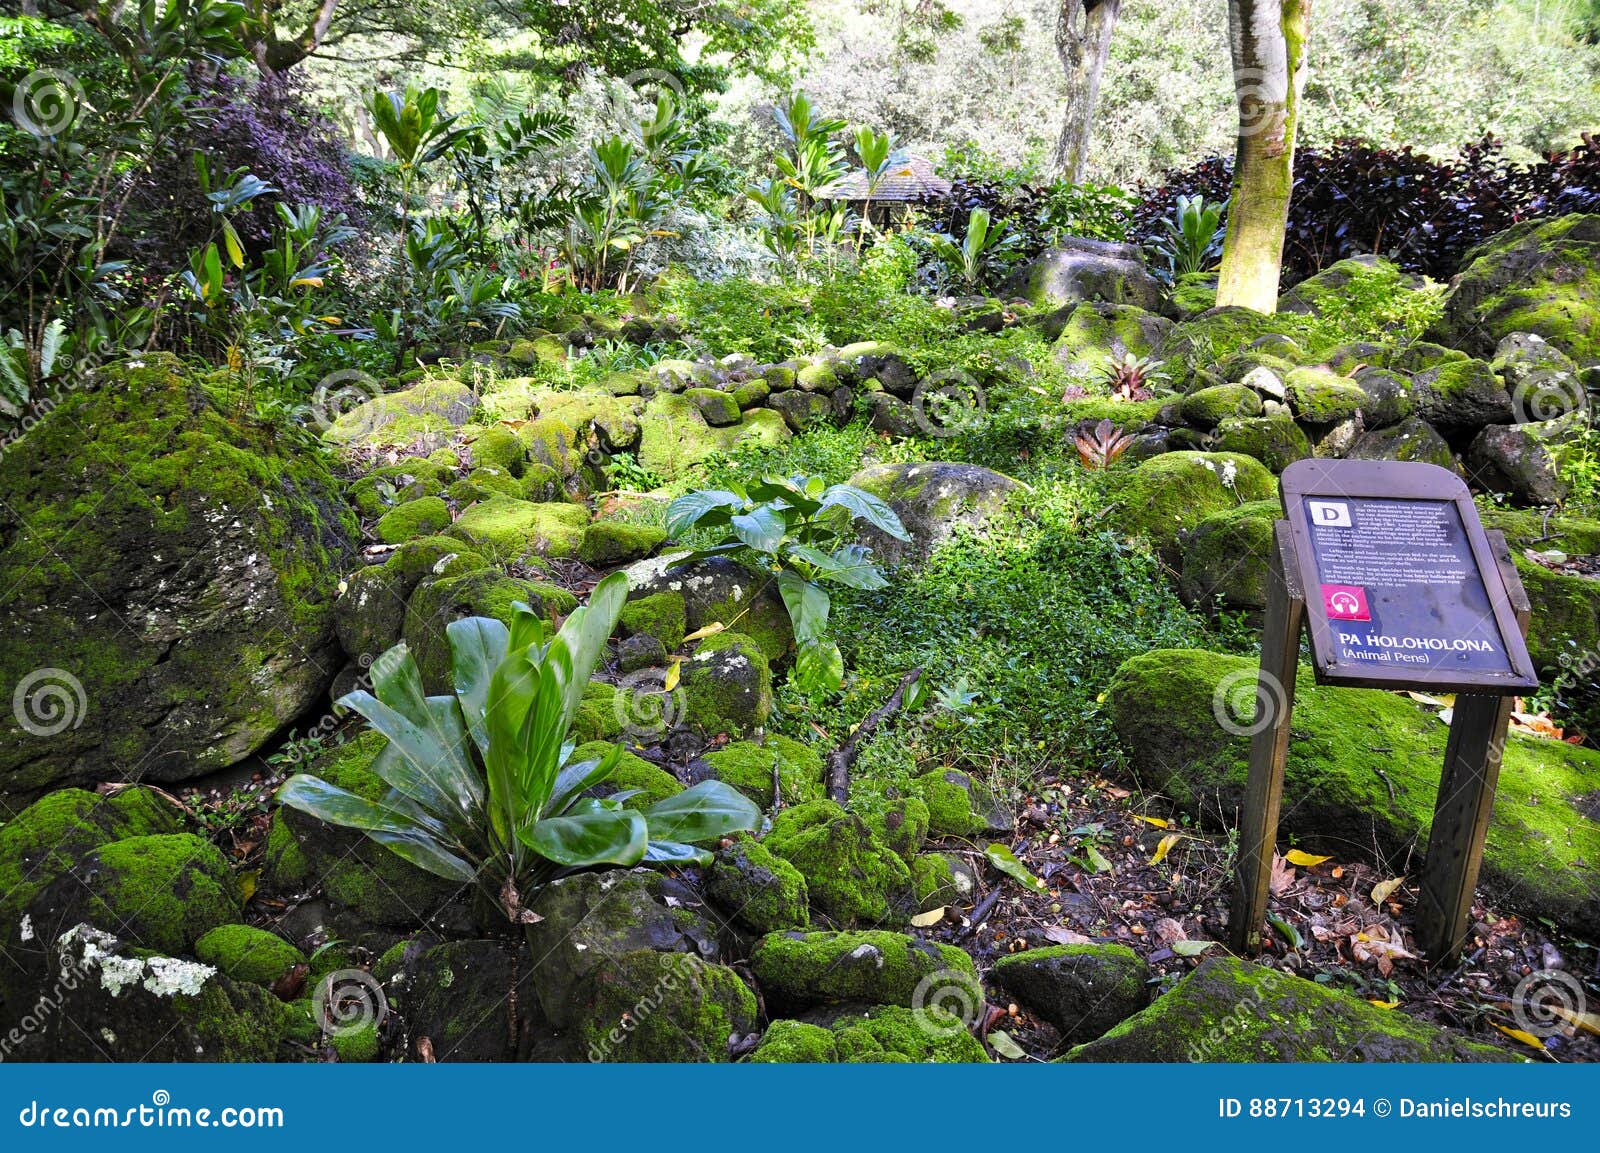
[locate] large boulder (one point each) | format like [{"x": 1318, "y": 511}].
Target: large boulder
[
  {"x": 1539, "y": 276},
  {"x": 1097, "y": 336},
  {"x": 1363, "y": 770},
  {"x": 421, "y": 418},
  {"x": 876, "y": 966},
  {"x": 1329, "y": 289},
  {"x": 1565, "y": 627},
  {"x": 852, "y": 877},
  {"x": 1231, "y": 1010},
  {"x": 1081, "y": 269},
  {"x": 674, "y": 434},
  {"x": 668, "y": 598},
  {"x": 933, "y": 500},
  {"x": 1082, "y": 990},
  {"x": 1523, "y": 461},
  {"x": 167, "y": 577},
  {"x": 1169, "y": 495},
  {"x": 1226, "y": 559}
]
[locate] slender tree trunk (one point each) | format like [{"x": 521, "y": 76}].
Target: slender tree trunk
[
  {"x": 1269, "y": 40},
  {"x": 1083, "y": 41}
]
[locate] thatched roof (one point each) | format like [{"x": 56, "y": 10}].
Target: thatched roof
[{"x": 913, "y": 180}]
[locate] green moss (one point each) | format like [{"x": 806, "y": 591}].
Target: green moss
[
  {"x": 852, "y": 877},
  {"x": 901, "y": 824},
  {"x": 286, "y": 868},
  {"x": 546, "y": 349},
  {"x": 895, "y": 1033},
  {"x": 749, "y": 767},
  {"x": 818, "y": 376},
  {"x": 718, "y": 408},
  {"x": 598, "y": 717},
  {"x": 1461, "y": 394},
  {"x": 612, "y": 542},
  {"x": 873, "y": 966},
  {"x": 541, "y": 484},
  {"x": 948, "y": 796},
  {"x": 1128, "y": 415},
  {"x": 1320, "y": 396},
  {"x": 763, "y": 892},
  {"x": 727, "y": 684},
  {"x": 393, "y": 484},
  {"x": 1225, "y": 560},
  {"x": 552, "y": 443},
  {"x": 356, "y": 1046},
  {"x": 1096, "y": 336},
  {"x": 1212, "y": 336},
  {"x": 248, "y": 954},
  {"x": 433, "y": 556},
  {"x": 1363, "y": 770},
  {"x": 162, "y": 891},
  {"x": 674, "y": 436},
  {"x": 1209, "y": 407},
  {"x": 1174, "y": 492},
  {"x": 1082, "y": 990},
  {"x": 1276, "y": 441},
  {"x": 486, "y": 593},
  {"x": 751, "y": 393},
  {"x": 933, "y": 881},
  {"x": 1194, "y": 293},
  {"x": 492, "y": 481},
  {"x": 661, "y": 615},
  {"x": 505, "y": 529},
  {"x": 795, "y": 1043},
  {"x": 422, "y": 416},
  {"x": 633, "y": 773},
  {"x": 650, "y": 1006},
  {"x": 498, "y": 447},
  {"x": 300, "y": 1022},
  {"x": 421, "y": 517},
  {"x": 1229, "y": 1010}
]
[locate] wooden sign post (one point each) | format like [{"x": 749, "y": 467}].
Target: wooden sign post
[{"x": 1399, "y": 585}]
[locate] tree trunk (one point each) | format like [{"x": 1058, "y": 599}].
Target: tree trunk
[
  {"x": 1083, "y": 41},
  {"x": 1269, "y": 39},
  {"x": 274, "y": 54}
]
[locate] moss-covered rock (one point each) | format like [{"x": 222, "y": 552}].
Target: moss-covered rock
[
  {"x": 1540, "y": 276},
  {"x": 762, "y": 892},
  {"x": 1226, "y": 557},
  {"x": 552, "y": 443},
  {"x": 543, "y": 349},
  {"x": 392, "y": 484},
  {"x": 715, "y": 591},
  {"x": 248, "y": 954},
  {"x": 853, "y": 878},
  {"x": 1097, "y": 336},
  {"x": 1276, "y": 441},
  {"x": 751, "y": 766},
  {"x": 287, "y": 868},
  {"x": 169, "y": 577},
  {"x": 1210, "y": 337},
  {"x": 420, "y": 418},
  {"x": 1318, "y": 395},
  {"x": 1363, "y": 770},
  {"x": 876, "y": 966},
  {"x": 959, "y": 805},
  {"x": 1366, "y": 275},
  {"x": 421, "y": 517},
  {"x": 1230, "y": 1010},
  {"x": 935, "y": 881},
  {"x": 633, "y": 773},
  {"x": 1192, "y": 294},
  {"x": 801, "y": 410},
  {"x": 1524, "y": 461},
  {"x": 884, "y": 1033},
  {"x": 1461, "y": 395},
  {"x": 727, "y": 684},
  {"x": 900, "y": 823},
  {"x": 506, "y": 530},
  {"x": 499, "y": 447},
  {"x": 459, "y": 996},
  {"x": 674, "y": 436},
  {"x": 1209, "y": 407},
  {"x": 1565, "y": 624},
  {"x": 1171, "y": 494},
  {"x": 664, "y": 1007},
  {"x": 370, "y": 614},
  {"x": 1082, "y": 990},
  {"x": 661, "y": 615},
  {"x": 795, "y": 1043},
  {"x": 612, "y": 542},
  {"x": 934, "y": 501},
  {"x": 1081, "y": 269},
  {"x": 484, "y": 593},
  {"x": 719, "y": 409}
]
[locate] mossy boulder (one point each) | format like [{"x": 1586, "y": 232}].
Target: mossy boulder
[
  {"x": 1276, "y": 440},
  {"x": 796, "y": 1043},
  {"x": 1226, "y": 558},
  {"x": 853, "y": 878},
  {"x": 420, "y": 418},
  {"x": 894, "y": 1033},
  {"x": 901, "y": 823},
  {"x": 544, "y": 349},
  {"x": 727, "y": 684},
  {"x": 169, "y": 577},
  {"x": 1413, "y": 439},
  {"x": 421, "y": 517},
  {"x": 959, "y": 805},
  {"x": 633, "y": 774},
  {"x": 876, "y": 966},
  {"x": 115, "y": 1002},
  {"x": 1229, "y": 1010},
  {"x": 1212, "y": 336},
  {"x": 1082, "y": 269},
  {"x": 498, "y": 446},
  {"x": 483, "y": 593},
  {"x": 1524, "y": 461},
  {"x": 487, "y": 482},
  {"x": 458, "y": 996},
  {"x": 752, "y": 766},
  {"x": 1565, "y": 619},
  {"x": 393, "y": 484},
  {"x": 1540, "y": 276},
  {"x": 1388, "y": 396},
  {"x": 1461, "y": 395},
  {"x": 801, "y": 410},
  {"x": 883, "y": 362},
  {"x": 762, "y": 892},
  {"x": 1083, "y": 990},
  {"x": 1363, "y": 770},
  {"x": 370, "y": 614},
  {"x": 1330, "y": 288},
  {"x": 1209, "y": 407},
  {"x": 1097, "y": 336},
  {"x": 553, "y": 443},
  {"x": 674, "y": 435},
  {"x": 1318, "y": 395},
  {"x": 1192, "y": 294},
  {"x": 248, "y": 954},
  {"x": 612, "y": 542},
  {"x": 664, "y": 1007},
  {"x": 935, "y": 500},
  {"x": 505, "y": 529},
  {"x": 1169, "y": 495},
  {"x": 714, "y": 591},
  {"x": 662, "y": 615},
  {"x": 719, "y": 409}
]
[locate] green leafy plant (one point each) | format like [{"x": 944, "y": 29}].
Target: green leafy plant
[
  {"x": 1133, "y": 377},
  {"x": 803, "y": 530},
  {"x": 1193, "y": 235},
  {"x": 979, "y": 249},
  {"x": 482, "y": 787}
]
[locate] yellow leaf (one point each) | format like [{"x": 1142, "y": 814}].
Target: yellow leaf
[
  {"x": 1304, "y": 859},
  {"x": 930, "y": 918},
  {"x": 1156, "y": 821},
  {"x": 230, "y": 241},
  {"x": 331, "y": 319},
  {"x": 673, "y": 672},
  {"x": 247, "y": 883},
  {"x": 1383, "y": 1004},
  {"x": 306, "y": 282},
  {"x": 1164, "y": 848},
  {"x": 1518, "y": 1035},
  {"x": 704, "y": 631},
  {"x": 1383, "y": 889},
  {"x": 1588, "y": 1022}
]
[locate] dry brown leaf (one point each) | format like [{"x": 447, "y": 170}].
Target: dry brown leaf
[{"x": 1061, "y": 935}]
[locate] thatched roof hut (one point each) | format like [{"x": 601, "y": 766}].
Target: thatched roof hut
[{"x": 907, "y": 183}]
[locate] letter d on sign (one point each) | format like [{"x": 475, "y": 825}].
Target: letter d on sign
[{"x": 1329, "y": 514}]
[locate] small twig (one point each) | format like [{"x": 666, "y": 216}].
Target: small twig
[{"x": 840, "y": 760}]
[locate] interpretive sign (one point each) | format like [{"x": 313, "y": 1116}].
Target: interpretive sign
[{"x": 1400, "y": 587}]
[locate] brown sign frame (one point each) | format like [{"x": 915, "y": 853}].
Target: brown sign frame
[{"x": 1314, "y": 479}]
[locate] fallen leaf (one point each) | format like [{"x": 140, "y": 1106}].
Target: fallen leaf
[
  {"x": 1097, "y": 860},
  {"x": 1383, "y": 1004},
  {"x": 670, "y": 681},
  {"x": 1002, "y": 1044},
  {"x": 1287, "y": 931},
  {"x": 1168, "y": 930},
  {"x": 1156, "y": 821},
  {"x": 1006, "y": 861},
  {"x": 1303, "y": 859},
  {"x": 704, "y": 631},
  {"x": 931, "y": 917},
  {"x": 1282, "y": 876},
  {"x": 1382, "y": 890},
  {"x": 1588, "y": 1022},
  {"x": 1061, "y": 935},
  {"x": 1164, "y": 848},
  {"x": 1519, "y": 1035},
  {"x": 1191, "y": 948}
]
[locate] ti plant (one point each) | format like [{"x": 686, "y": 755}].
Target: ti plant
[
  {"x": 802, "y": 530},
  {"x": 482, "y": 788},
  {"x": 1193, "y": 239},
  {"x": 979, "y": 248}
]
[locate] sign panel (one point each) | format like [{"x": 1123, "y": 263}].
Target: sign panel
[{"x": 1401, "y": 585}]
